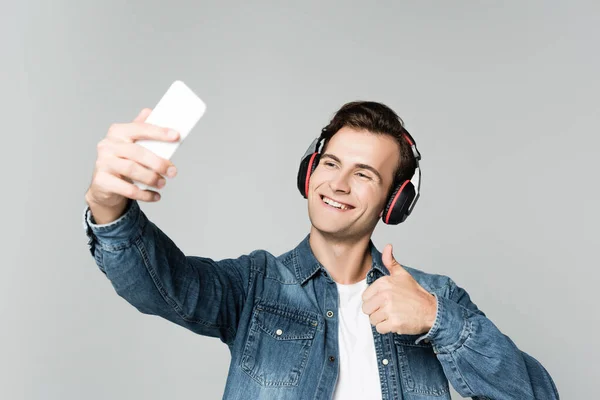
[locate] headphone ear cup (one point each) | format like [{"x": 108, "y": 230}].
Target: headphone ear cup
[
  {"x": 307, "y": 167},
  {"x": 396, "y": 209}
]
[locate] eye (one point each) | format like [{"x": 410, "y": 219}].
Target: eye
[
  {"x": 329, "y": 164},
  {"x": 363, "y": 175}
]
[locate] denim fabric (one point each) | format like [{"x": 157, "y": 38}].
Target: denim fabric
[{"x": 278, "y": 316}]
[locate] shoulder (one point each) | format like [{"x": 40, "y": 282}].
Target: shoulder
[
  {"x": 280, "y": 268},
  {"x": 443, "y": 286}
]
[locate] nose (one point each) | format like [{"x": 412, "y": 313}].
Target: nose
[{"x": 339, "y": 183}]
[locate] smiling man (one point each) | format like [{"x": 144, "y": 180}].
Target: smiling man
[{"x": 331, "y": 318}]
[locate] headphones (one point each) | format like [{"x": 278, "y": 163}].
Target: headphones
[{"x": 402, "y": 199}]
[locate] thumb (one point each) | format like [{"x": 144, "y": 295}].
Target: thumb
[
  {"x": 143, "y": 115},
  {"x": 390, "y": 262}
]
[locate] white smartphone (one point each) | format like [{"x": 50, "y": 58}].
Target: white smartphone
[{"x": 179, "y": 109}]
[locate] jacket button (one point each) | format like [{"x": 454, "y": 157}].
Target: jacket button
[
  {"x": 385, "y": 361},
  {"x": 331, "y": 358},
  {"x": 279, "y": 332},
  {"x": 330, "y": 313},
  {"x": 426, "y": 340}
]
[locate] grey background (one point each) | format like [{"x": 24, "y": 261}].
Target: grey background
[{"x": 501, "y": 97}]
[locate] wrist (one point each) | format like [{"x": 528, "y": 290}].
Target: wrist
[{"x": 102, "y": 214}]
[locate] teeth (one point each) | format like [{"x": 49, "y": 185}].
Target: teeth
[{"x": 334, "y": 203}]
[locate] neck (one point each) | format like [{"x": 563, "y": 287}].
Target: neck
[{"x": 346, "y": 260}]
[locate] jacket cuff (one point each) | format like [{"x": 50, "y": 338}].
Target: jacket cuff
[
  {"x": 116, "y": 232},
  {"x": 449, "y": 330}
]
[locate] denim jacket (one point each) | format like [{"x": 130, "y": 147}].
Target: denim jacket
[{"x": 278, "y": 316}]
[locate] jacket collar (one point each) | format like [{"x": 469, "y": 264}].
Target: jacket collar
[{"x": 306, "y": 264}]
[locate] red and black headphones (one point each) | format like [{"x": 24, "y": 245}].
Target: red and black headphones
[{"x": 402, "y": 199}]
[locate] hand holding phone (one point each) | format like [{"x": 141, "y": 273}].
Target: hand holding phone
[
  {"x": 179, "y": 109},
  {"x": 138, "y": 153}
]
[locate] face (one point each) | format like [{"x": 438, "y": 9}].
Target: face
[{"x": 349, "y": 187}]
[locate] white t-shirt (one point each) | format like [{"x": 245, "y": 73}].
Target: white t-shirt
[{"x": 358, "y": 375}]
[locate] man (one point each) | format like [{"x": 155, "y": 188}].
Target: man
[{"x": 331, "y": 318}]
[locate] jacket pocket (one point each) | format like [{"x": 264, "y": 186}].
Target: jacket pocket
[
  {"x": 278, "y": 345},
  {"x": 421, "y": 372}
]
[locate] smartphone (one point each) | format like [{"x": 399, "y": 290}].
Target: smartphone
[{"x": 179, "y": 109}]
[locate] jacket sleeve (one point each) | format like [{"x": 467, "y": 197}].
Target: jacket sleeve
[
  {"x": 151, "y": 273},
  {"x": 478, "y": 359}
]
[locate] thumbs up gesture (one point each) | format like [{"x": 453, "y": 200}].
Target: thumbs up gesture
[{"x": 397, "y": 303}]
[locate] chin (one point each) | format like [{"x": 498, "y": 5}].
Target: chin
[
  {"x": 327, "y": 226},
  {"x": 331, "y": 230},
  {"x": 335, "y": 223}
]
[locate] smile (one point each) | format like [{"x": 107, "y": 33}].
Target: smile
[{"x": 335, "y": 204}]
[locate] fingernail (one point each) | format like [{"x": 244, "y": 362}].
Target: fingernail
[
  {"x": 157, "y": 197},
  {"x": 171, "y": 172},
  {"x": 172, "y": 134},
  {"x": 161, "y": 183}
]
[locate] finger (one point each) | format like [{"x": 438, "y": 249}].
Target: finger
[
  {"x": 135, "y": 172},
  {"x": 369, "y": 292},
  {"x": 378, "y": 317},
  {"x": 373, "y": 289},
  {"x": 143, "y": 115},
  {"x": 114, "y": 184},
  {"x": 388, "y": 258},
  {"x": 384, "y": 327},
  {"x": 145, "y": 157},
  {"x": 390, "y": 262},
  {"x": 132, "y": 131},
  {"x": 372, "y": 305}
]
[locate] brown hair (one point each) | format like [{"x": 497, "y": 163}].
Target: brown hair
[{"x": 376, "y": 118}]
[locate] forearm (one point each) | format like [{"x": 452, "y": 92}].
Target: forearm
[
  {"x": 151, "y": 273},
  {"x": 479, "y": 360}
]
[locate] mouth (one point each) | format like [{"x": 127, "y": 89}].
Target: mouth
[{"x": 336, "y": 205}]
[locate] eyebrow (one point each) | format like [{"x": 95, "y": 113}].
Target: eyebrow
[{"x": 359, "y": 165}]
